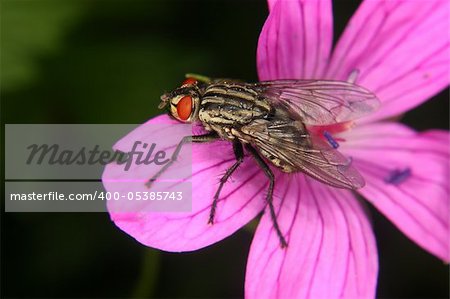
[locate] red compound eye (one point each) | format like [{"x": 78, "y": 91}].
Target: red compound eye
[
  {"x": 184, "y": 107},
  {"x": 189, "y": 81}
]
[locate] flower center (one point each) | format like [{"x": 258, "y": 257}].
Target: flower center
[{"x": 327, "y": 132}]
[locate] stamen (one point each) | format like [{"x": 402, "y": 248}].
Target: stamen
[
  {"x": 330, "y": 139},
  {"x": 353, "y": 76},
  {"x": 398, "y": 176}
]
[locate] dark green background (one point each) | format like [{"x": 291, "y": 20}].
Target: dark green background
[{"x": 108, "y": 62}]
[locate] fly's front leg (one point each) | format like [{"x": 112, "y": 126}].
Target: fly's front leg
[
  {"x": 239, "y": 154},
  {"x": 269, "y": 197},
  {"x": 197, "y": 138}
]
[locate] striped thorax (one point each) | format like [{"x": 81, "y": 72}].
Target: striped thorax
[{"x": 225, "y": 107}]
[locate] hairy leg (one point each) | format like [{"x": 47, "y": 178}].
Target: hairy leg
[
  {"x": 239, "y": 154},
  {"x": 269, "y": 197},
  {"x": 197, "y": 138}
]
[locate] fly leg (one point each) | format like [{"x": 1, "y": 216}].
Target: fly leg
[
  {"x": 269, "y": 197},
  {"x": 239, "y": 154},
  {"x": 196, "y": 138}
]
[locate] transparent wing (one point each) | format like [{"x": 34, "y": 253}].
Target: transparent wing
[
  {"x": 319, "y": 102},
  {"x": 305, "y": 153},
  {"x": 329, "y": 166}
]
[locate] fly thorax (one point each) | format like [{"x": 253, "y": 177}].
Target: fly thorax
[{"x": 232, "y": 105}]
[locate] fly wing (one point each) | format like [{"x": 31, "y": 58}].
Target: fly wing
[
  {"x": 277, "y": 141},
  {"x": 328, "y": 165},
  {"x": 319, "y": 102}
]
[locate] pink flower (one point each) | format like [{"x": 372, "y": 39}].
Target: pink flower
[{"x": 401, "y": 51}]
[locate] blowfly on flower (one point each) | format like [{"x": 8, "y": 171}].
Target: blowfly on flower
[{"x": 287, "y": 123}]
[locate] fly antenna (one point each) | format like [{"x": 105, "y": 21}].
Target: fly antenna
[{"x": 164, "y": 101}]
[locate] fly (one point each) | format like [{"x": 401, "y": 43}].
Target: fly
[{"x": 285, "y": 123}]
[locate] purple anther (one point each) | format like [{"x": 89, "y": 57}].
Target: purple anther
[
  {"x": 330, "y": 139},
  {"x": 398, "y": 176}
]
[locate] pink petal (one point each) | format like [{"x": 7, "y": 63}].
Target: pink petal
[
  {"x": 331, "y": 249},
  {"x": 296, "y": 39},
  {"x": 271, "y": 3},
  {"x": 419, "y": 205},
  {"x": 242, "y": 197},
  {"x": 401, "y": 49}
]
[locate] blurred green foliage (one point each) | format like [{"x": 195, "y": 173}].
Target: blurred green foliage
[
  {"x": 114, "y": 58},
  {"x": 79, "y": 61},
  {"x": 31, "y": 29}
]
